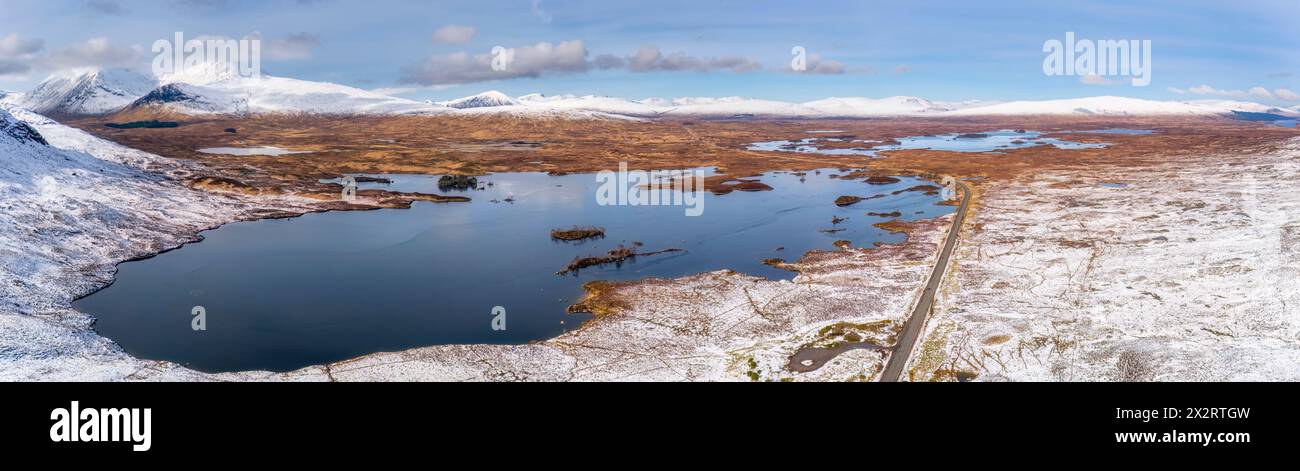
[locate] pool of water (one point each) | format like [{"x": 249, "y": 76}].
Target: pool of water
[
  {"x": 809, "y": 146},
  {"x": 957, "y": 142},
  {"x": 984, "y": 142},
  {"x": 268, "y": 150},
  {"x": 283, "y": 294}
]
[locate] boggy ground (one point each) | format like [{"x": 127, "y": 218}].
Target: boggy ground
[
  {"x": 1017, "y": 288},
  {"x": 477, "y": 145}
]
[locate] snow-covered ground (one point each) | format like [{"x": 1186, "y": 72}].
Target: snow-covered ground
[{"x": 1190, "y": 272}]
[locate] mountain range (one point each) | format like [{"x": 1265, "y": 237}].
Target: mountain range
[{"x": 213, "y": 91}]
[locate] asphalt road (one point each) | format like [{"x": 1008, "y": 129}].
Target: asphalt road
[{"x": 916, "y": 322}]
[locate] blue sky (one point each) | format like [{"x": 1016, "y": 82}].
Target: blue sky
[{"x": 1246, "y": 50}]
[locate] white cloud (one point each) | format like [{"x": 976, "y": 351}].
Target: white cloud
[
  {"x": 12, "y": 46},
  {"x": 295, "y": 46},
  {"x": 819, "y": 66},
  {"x": 609, "y": 61},
  {"x": 1251, "y": 93},
  {"x": 12, "y": 67},
  {"x": 650, "y": 59},
  {"x": 571, "y": 57},
  {"x": 454, "y": 34},
  {"x": 1094, "y": 79},
  {"x": 529, "y": 61},
  {"x": 96, "y": 52}
]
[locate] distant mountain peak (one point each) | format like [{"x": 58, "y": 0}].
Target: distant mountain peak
[
  {"x": 84, "y": 92},
  {"x": 486, "y": 99}
]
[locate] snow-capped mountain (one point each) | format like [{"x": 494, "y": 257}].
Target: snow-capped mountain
[
  {"x": 1232, "y": 105},
  {"x": 486, "y": 99},
  {"x": 891, "y": 106},
  {"x": 90, "y": 92},
  {"x": 857, "y": 107},
  {"x": 1111, "y": 106},
  {"x": 232, "y": 94},
  {"x": 215, "y": 90}
]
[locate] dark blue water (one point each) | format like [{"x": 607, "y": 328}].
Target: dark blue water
[{"x": 283, "y": 294}]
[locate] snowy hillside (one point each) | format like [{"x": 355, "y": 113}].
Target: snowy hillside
[
  {"x": 72, "y": 206},
  {"x": 227, "y": 94},
  {"x": 74, "y": 193},
  {"x": 85, "y": 92},
  {"x": 483, "y": 100}
]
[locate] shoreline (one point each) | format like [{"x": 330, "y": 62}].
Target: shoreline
[
  {"x": 916, "y": 162},
  {"x": 587, "y": 298}
]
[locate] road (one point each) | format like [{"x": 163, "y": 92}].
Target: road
[{"x": 916, "y": 322}]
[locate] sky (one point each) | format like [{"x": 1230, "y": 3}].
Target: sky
[{"x": 1244, "y": 50}]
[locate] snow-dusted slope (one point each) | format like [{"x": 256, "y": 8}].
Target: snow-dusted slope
[
  {"x": 71, "y": 206},
  {"x": 268, "y": 94},
  {"x": 85, "y": 92},
  {"x": 72, "y": 200}
]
